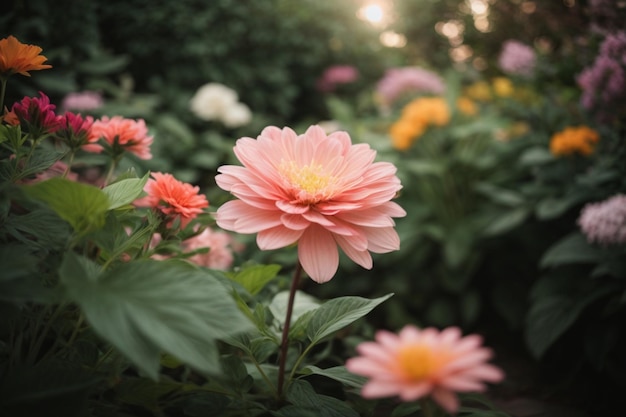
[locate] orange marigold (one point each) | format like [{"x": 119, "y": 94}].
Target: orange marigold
[
  {"x": 19, "y": 58},
  {"x": 571, "y": 140}
]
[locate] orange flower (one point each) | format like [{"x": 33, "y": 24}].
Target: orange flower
[
  {"x": 19, "y": 58},
  {"x": 172, "y": 197},
  {"x": 416, "y": 117},
  {"x": 467, "y": 106},
  {"x": 403, "y": 133},
  {"x": 573, "y": 140}
]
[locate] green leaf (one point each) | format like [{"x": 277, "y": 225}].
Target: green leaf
[
  {"x": 40, "y": 227},
  {"x": 145, "y": 392},
  {"x": 572, "y": 249},
  {"x": 21, "y": 278},
  {"x": 124, "y": 192},
  {"x": 536, "y": 156},
  {"x": 83, "y": 206},
  {"x": 406, "y": 409},
  {"x": 338, "y": 373},
  {"x": 253, "y": 278},
  {"x": 147, "y": 306},
  {"x": 551, "y": 316},
  {"x": 302, "y": 303},
  {"x": 338, "y": 313},
  {"x": 551, "y": 207},
  {"x": 302, "y": 394},
  {"x": 507, "y": 221}
]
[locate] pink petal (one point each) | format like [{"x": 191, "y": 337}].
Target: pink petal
[
  {"x": 294, "y": 221},
  {"x": 380, "y": 389},
  {"x": 446, "y": 399},
  {"x": 367, "y": 367},
  {"x": 361, "y": 257},
  {"x": 382, "y": 239},
  {"x": 318, "y": 254},
  {"x": 277, "y": 237},
  {"x": 413, "y": 391}
]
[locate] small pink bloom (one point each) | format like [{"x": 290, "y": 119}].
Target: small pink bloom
[
  {"x": 517, "y": 58},
  {"x": 37, "y": 114},
  {"x": 174, "y": 198},
  {"x": 74, "y": 129},
  {"x": 121, "y": 134},
  {"x": 82, "y": 101},
  {"x": 418, "y": 362},
  {"x": 398, "y": 81},
  {"x": 336, "y": 75},
  {"x": 604, "y": 222},
  {"x": 315, "y": 189},
  {"x": 58, "y": 169},
  {"x": 220, "y": 245}
]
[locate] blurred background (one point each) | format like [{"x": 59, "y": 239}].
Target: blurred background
[{"x": 494, "y": 241}]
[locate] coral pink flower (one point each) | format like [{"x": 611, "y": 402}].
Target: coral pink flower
[
  {"x": 415, "y": 363},
  {"x": 37, "y": 113},
  {"x": 174, "y": 198},
  {"x": 122, "y": 135},
  {"x": 320, "y": 191}
]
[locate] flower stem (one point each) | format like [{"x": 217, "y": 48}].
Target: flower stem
[
  {"x": 284, "y": 344},
  {"x": 427, "y": 410},
  {"x": 3, "y": 89}
]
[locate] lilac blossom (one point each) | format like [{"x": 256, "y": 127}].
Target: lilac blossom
[
  {"x": 605, "y": 222},
  {"x": 517, "y": 58}
]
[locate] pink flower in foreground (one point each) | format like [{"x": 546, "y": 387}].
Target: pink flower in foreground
[
  {"x": 174, "y": 198},
  {"x": 415, "y": 363},
  {"x": 122, "y": 135},
  {"x": 317, "y": 190}
]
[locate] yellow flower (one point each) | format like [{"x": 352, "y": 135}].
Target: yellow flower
[
  {"x": 479, "y": 91},
  {"x": 503, "y": 87},
  {"x": 416, "y": 117},
  {"x": 19, "y": 58},
  {"x": 467, "y": 106},
  {"x": 573, "y": 140}
]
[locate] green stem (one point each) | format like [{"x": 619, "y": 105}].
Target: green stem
[
  {"x": 427, "y": 410},
  {"x": 112, "y": 167},
  {"x": 264, "y": 375},
  {"x": 3, "y": 89},
  {"x": 38, "y": 342},
  {"x": 69, "y": 163},
  {"x": 284, "y": 345},
  {"x": 300, "y": 359}
]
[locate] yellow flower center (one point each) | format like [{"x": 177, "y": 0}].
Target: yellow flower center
[
  {"x": 310, "y": 184},
  {"x": 419, "y": 362}
]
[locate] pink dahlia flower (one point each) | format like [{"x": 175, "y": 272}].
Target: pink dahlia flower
[
  {"x": 74, "y": 129},
  {"x": 320, "y": 191},
  {"x": 415, "y": 363},
  {"x": 121, "y": 134},
  {"x": 220, "y": 245},
  {"x": 172, "y": 197}
]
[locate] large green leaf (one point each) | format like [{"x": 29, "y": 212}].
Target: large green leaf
[
  {"x": 302, "y": 394},
  {"x": 572, "y": 249},
  {"x": 149, "y": 306},
  {"x": 81, "y": 205},
  {"x": 124, "y": 192},
  {"x": 550, "y": 317},
  {"x": 338, "y": 313},
  {"x": 338, "y": 373}
]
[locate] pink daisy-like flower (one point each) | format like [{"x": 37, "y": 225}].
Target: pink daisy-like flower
[
  {"x": 172, "y": 197},
  {"x": 317, "y": 190},
  {"x": 418, "y": 362},
  {"x": 122, "y": 135}
]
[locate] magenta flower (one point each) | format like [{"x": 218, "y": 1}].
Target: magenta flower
[
  {"x": 37, "y": 114},
  {"x": 74, "y": 129},
  {"x": 605, "y": 222},
  {"x": 317, "y": 190},
  {"x": 424, "y": 362}
]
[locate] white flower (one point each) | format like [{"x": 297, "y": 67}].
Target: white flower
[
  {"x": 236, "y": 115},
  {"x": 212, "y": 100}
]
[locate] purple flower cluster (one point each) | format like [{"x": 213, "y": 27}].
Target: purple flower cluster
[
  {"x": 397, "y": 81},
  {"x": 517, "y": 58},
  {"x": 604, "y": 82},
  {"x": 605, "y": 222}
]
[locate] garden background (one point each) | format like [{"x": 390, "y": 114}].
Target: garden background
[{"x": 513, "y": 172}]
